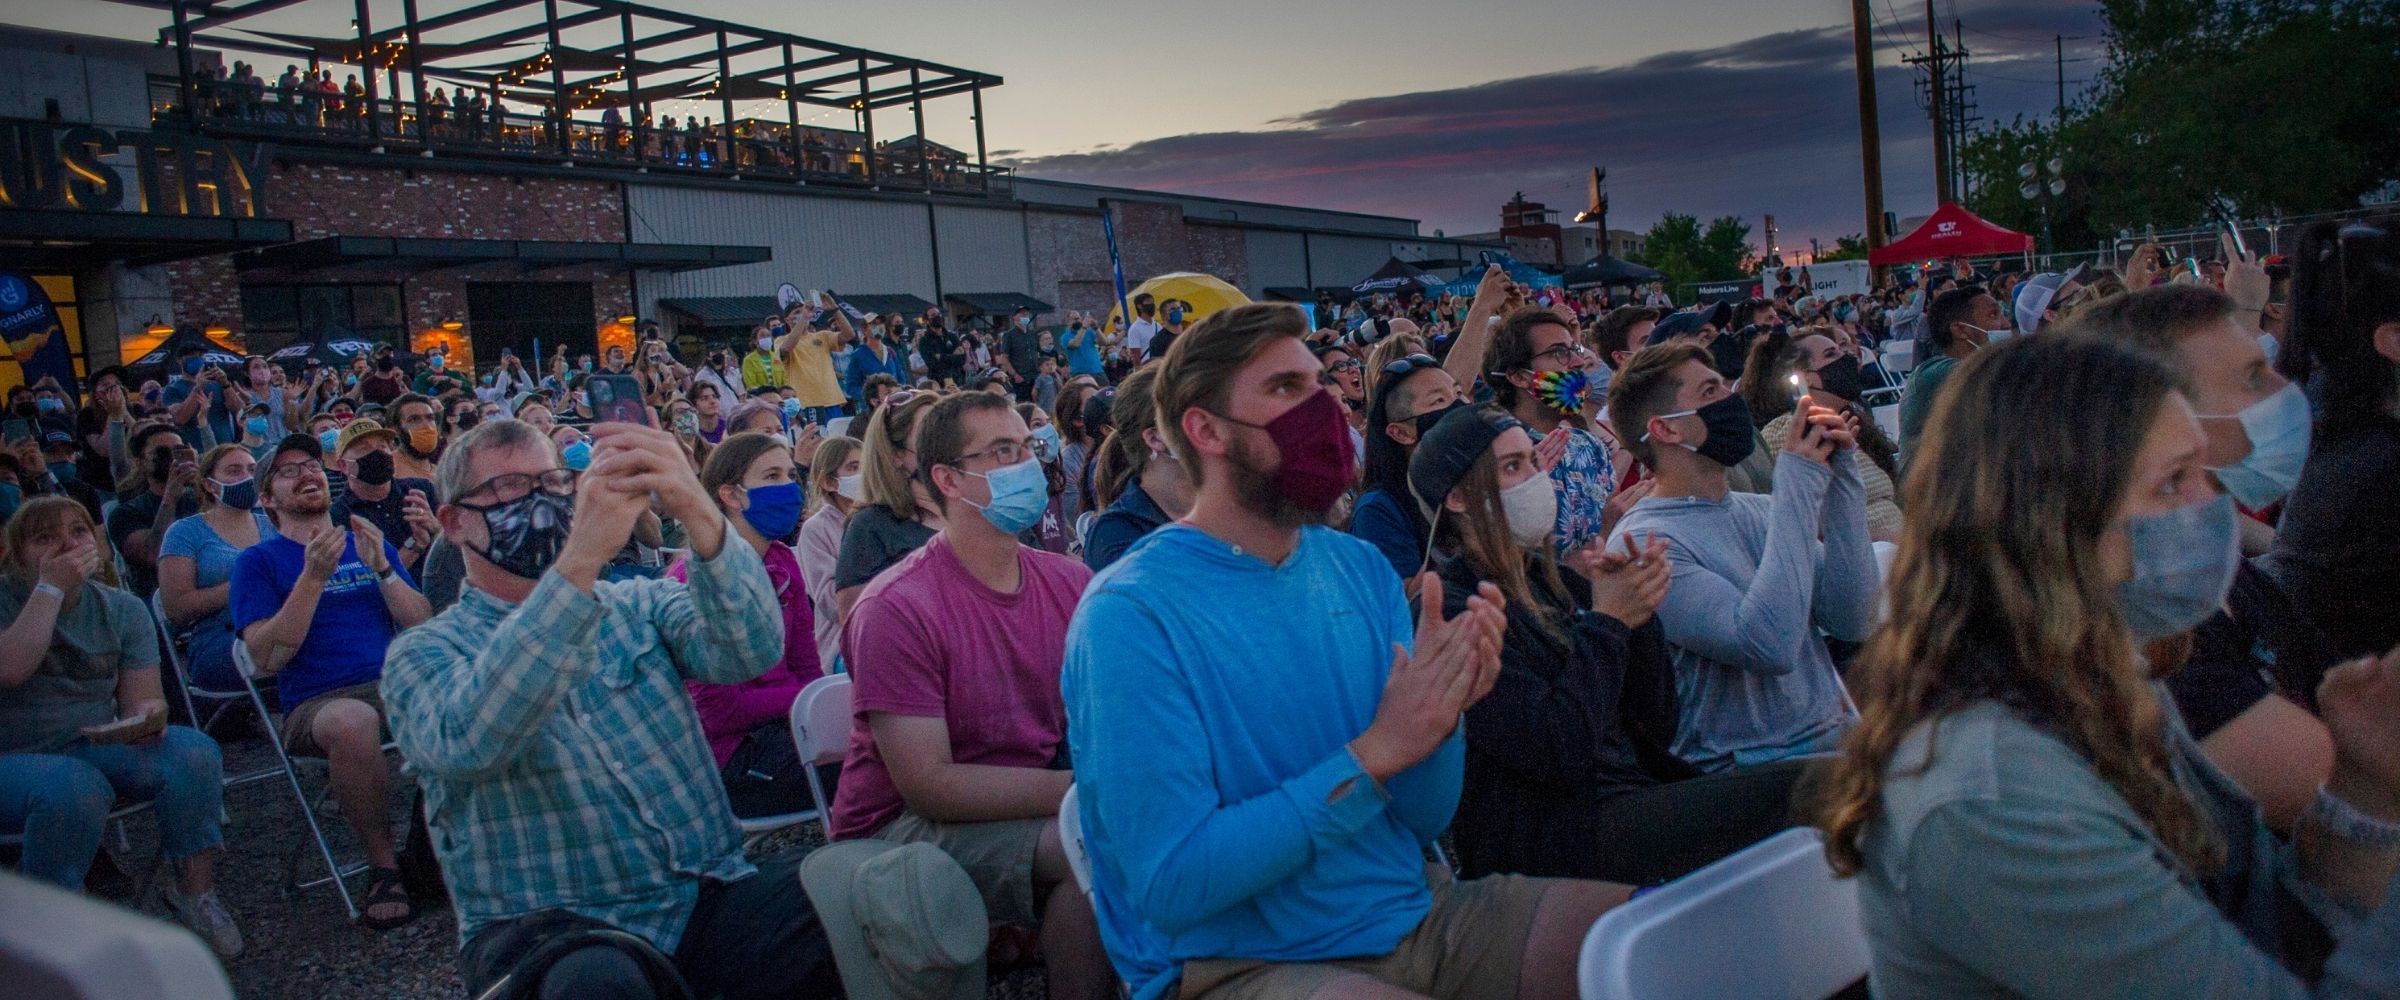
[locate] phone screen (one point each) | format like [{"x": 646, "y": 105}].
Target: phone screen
[
  {"x": 14, "y": 429},
  {"x": 618, "y": 398}
]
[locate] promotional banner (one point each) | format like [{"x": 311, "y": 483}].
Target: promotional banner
[{"x": 35, "y": 337}]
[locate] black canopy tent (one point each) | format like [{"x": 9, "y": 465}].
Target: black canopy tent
[
  {"x": 333, "y": 351},
  {"x": 1398, "y": 276},
  {"x": 1608, "y": 271},
  {"x": 161, "y": 360}
]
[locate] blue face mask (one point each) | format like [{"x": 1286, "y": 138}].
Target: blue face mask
[
  {"x": 1045, "y": 443},
  {"x": 62, "y": 471},
  {"x": 11, "y": 497},
  {"x": 328, "y": 439},
  {"x": 578, "y": 456},
  {"x": 239, "y": 496},
  {"x": 791, "y": 408},
  {"x": 2183, "y": 563},
  {"x": 192, "y": 367},
  {"x": 2279, "y": 432},
  {"x": 256, "y": 426},
  {"x": 1019, "y": 494},
  {"x": 774, "y": 510},
  {"x": 48, "y": 404}
]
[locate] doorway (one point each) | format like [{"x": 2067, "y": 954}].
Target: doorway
[{"x": 517, "y": 315}]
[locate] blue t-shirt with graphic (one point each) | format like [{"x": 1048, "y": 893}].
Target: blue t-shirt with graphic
[{"x": 352, "y": 627}]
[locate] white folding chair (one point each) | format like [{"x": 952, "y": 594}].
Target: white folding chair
[
  {"x": 1070, "y": 836},
  {"x": 821, "y": 730},
  {"x": 1769, "y": 923},
  {"x": 335, "y": 871},
  {"x": 1885, "y": 552},
  {"x": 54, "y": 943},
  {"x": 837, "y": 427},
  {"x": 758, "y": 827},
  {"x": 222, "y": 700},
  {"x": 1899, "y": 355}
]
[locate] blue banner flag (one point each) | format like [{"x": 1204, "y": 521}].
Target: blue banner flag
[
  {"x": 35, "y": 336},
  {"x": 1116, "y": 264}
]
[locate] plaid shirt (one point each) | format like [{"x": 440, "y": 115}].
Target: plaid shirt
[{"x": 562, "y": 762}]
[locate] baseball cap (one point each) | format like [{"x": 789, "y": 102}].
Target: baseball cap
[
  {"x": 361, "y": 428},
  {"x": 1098, "y": 409},
  {"x": 305, "y": 444},
  {"x": 904, "y": 920},
  {"x": 1451, "y": 448},
  {"x": 1682, "y": 324},
  {"x": 57, "y": 438},
  {"x": 2035, "y": 295}
]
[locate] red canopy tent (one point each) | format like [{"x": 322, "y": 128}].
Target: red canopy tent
[{"x": 1952, "y": 232}]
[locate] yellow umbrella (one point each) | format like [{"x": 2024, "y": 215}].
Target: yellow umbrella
[{"x": 1204, "y": 293}]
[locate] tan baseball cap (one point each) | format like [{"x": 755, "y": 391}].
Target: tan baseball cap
[
  {"x": 904, "y": 920},
  {"x": 356, "y": 429}
]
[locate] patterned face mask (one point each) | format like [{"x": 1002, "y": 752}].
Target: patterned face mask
[{"x": 1565, "y": 391}]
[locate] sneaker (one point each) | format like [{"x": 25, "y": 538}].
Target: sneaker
[{"x": 207, "y": 916}]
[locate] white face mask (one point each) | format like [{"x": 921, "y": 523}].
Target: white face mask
[
  {"x": 852, "y": 487},
  {"x": 1531, "y": 508}
]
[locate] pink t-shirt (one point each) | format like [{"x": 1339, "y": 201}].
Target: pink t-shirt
[
  {"x": 928, "y": 639},
  {"x": 728, "y": 712}
]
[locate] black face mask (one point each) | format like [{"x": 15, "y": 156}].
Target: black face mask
[
  {"x": 1842, "y": 377},
  {"x": 527, "y": 533},
  {"x": 374, "y": 468},
  {"x": 1731, "y": 435},
  {"x": 159, "y": 465},
  {"x": 1426, "y": 420}
]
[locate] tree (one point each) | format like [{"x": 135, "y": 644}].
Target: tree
[
  {"x": 1851, "y": 247},
  {"x": 2290, "y": 106},
  {"x": 1688, "y": 254}
]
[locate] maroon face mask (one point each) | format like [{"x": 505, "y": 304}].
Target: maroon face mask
[{"x": 1318, "y": 463}]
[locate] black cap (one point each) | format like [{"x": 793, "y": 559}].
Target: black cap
[
  {"x": 306, "y": 444},
  {"x": 1682, "y": 324},
  {"x": 1098, "y": 408},
  {"x": 1446, "y": 453}
]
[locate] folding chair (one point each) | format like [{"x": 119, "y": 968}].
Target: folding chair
[
  {"x": 144, "y": 879},
  {"x": 1070, "y": 836},
  {"x": 336, "y": 872},
  {"x": 821, "y": 730},
  {"x": 173, "y": 644},
  {"x": 54, "y": 943},
  {"x": 755, "y": 829},
  {"x": 1770, "y": 923}
]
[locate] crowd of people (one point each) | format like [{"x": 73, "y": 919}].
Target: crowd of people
[{"x": 1382, "y": 646}]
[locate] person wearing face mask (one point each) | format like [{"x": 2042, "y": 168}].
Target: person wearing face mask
[
  {"x": 1410, "y": 394},
  {"x": 1541, "y": 373},
  {"x": 1081, "y": 344},
  {"x": 2249, "y": 682},
  {"x": 1568, "y": 770},
  {"x": 748, "y": 725},
  {"x": 437, "y": 377},
  {"x": 556, "y": 699},
  {"x": 419, "y": 422},
  {"x": 52, "y": 469},
  {"x": 960, "y": 732},
  {"x": 195, "y": 562},
  {"x": 1052, "y": 532},
  {"x": 758, "y": 363},
  {"x": 259, "y": 430},
  {"x": 1834, "y": 377},
  {"x": 2018, "y": 776},
  {"x": 1958, "y": 322},
  {"x": 1142, "y": 330},
  {"x": 837, "y": 485},
  {"x": 200, "y": 401},
  {"x": 317, "y": 604},
  {"x": 160, "y": 492},
  {"x": 1173, "y": 313},
  {"x": 367, "y": 452},
  {"x": 1138, "y": 484},
  {"x": 1753, "y": 583}
]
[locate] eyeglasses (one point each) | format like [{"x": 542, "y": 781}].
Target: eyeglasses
[
  {"x": 513, "y": 486},
  {"x": 1339, "y": 367},
  {"x": 291, "y": 470},
  {"x": 1409, "y": 364},
  {"x": 1004, "y": 453},
  {"x": 1565, "y": 354}
]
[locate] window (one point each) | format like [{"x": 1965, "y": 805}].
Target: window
[{"x": 277, "y": 315}]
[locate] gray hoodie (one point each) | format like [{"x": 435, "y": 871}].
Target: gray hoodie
[{"x": 1752, "y": 585}]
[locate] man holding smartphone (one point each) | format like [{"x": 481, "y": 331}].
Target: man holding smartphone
[{"x": 806, "y": 354}]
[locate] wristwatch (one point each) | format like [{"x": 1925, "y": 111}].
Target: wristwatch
[{"x": 2345, "y": 821}]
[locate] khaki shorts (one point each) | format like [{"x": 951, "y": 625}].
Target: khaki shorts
[
  {"x": 1470, "y": 946},
  {"x": 300, "y": 722},
  {"x": 997, "y": 855}
]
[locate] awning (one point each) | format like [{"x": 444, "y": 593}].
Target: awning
[
  {"x": 1302, "y": 293},
  {"x": 901, "y": 304},
  {"x": 375, "y": 254},
  {"x": 1952, "y": 231},
  {"x": 724, "y": 310},
  {"x": 46, "y": 239},
  {"x": 996, "y": 303}
]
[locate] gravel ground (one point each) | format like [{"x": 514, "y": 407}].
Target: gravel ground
[{"x": 302, "y": 945}]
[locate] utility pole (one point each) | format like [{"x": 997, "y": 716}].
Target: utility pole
[
  {"x": 1939, "y": 98},
  {"x": 2059, "y": 47},
  {"x": 1870, "y": 129}
]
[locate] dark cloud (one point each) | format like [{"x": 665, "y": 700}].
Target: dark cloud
[{"x": 1764, "y": 125}]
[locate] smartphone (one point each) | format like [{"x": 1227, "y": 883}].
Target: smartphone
[
  {"x": 2192, "y": 264},
  {"x": 2240, "y": 246},
  {"x": 13, "y": 429},
  {"x": 618, "y": 398}
]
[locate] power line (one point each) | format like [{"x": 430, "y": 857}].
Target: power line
[{"x": 1913, "y": 52}]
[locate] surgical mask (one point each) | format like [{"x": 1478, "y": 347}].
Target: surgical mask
[
  {"x": 852, "y": 487},
  {"x": 2268, "y": 345},
  {"x": 1531, "y": 509},
  {"x": 374, "y": 468},
  {"x": 425, "y": 439},
  {"x": 434, "y": 362},
  {"x": 1730, "y": 434},
  {"x": 47, "y": 404},
  {"x": 1314, "y": 439},
  {"x": 1174, "y": 315},
  {"x": 774, "y": 510},
  {"x": 578, "y": 456},
  {"x": 1046, "y": 443},
  {"x": 240, "y": 495},
  {"x": 2183, "y": 563},
  {"x": 327, "y": 438},
  {"x": 255, "y": 426},
  {"x": 1842, "y": 377},
  {"x": 62, "y": 471},
  {"x": 1019, "y": 494},
  {"x": 766, "y": 343},
  {"x": 527, "y": 533},
  {"x": 791, "y": 408},
  {"x": 2279, "y": 432},
  {"x": 1991, "y": 337}
]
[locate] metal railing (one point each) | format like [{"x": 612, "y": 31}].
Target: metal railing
[{"x": 762, "y": 151}]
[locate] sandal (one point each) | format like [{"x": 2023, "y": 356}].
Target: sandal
[{"x": 385, "y": 888}]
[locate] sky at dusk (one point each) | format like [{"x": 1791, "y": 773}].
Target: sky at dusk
[{"x": 1432, "y": 111}]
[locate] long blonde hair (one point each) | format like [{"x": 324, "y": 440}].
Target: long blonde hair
[
  {"x": 1999, "y": 592},
  {"x": 887, "y": 484}
]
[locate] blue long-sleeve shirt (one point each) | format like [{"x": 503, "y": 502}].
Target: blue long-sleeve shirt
[{"x": 1211, "y": 699}]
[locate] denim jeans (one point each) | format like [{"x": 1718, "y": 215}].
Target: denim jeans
[{"x": 61, "y": 801}]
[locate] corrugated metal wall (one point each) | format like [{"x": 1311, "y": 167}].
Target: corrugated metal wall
[
  {"x": 848, "y": 244},
  {"x": 1346, "y": 260},
  {"x": 1276, "y": 258},
  {"x": 983, "y": 250}
]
